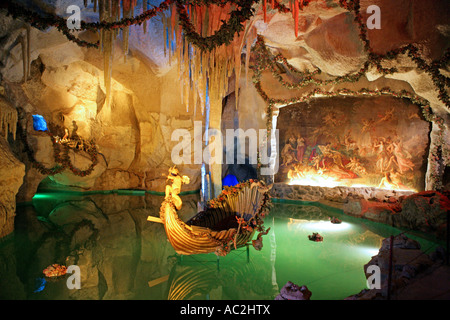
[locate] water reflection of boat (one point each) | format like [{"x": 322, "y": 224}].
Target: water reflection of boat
[
  {"x": 229, "y": 221},
  {"x": 195, "y": 280}
]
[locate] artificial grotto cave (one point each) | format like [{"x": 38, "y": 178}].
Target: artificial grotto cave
[{"x": 139, "y": 137}]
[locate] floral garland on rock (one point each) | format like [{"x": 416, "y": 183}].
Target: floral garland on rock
[
  {"x": 52, "y": 20},
  {"x": 374, "y": 59},
  {"x": 227, "y": 30},
  {"x": 223, "y": 36},
  {"x": 62, "y": 159}
]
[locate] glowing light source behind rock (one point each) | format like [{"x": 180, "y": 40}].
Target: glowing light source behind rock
[
  {"x": 315, "y": 180},
  {"x": 39, "y": 123}
]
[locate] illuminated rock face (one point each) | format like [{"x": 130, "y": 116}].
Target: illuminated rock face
[
  {"x": 133, "y": 134},
  {"x": 410, "y": 261}
]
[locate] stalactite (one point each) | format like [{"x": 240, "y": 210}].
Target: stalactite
[
  {"x": 8, "y": 119},
  {"x": 24, "y": 58},
  {"x": 237, "y": 69},
  {"x": 250, "y": 38},
  {"x": 202, "y": 81},
  {"x": 28, "y": 32},
  {"x": 265, "y": 10},
  {"x": 165, "y": 33},
  {"x": 25, "y": 42},
  {"x": 128, "y": 7},
  {"x": 106, "y": 38},
  {"x": 291, "y": 7},
  {"x": 204, "y": 76},
  {"x": 296, "y": 12}
]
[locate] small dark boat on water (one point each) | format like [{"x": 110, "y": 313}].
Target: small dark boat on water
[
  {"x": 335, "y": 220},
  {"x": 315, "y": 237}
]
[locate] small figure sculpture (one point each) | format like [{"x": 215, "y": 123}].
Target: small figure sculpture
[
  {"x": 291, "y": 291},
  {"x": 174, "y": 189},
  {"x": 258, "y": 244},
  {"x": 66, "y": 136}
]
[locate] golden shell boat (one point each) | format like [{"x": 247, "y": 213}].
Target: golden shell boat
[{"x": 229, "y": 221}]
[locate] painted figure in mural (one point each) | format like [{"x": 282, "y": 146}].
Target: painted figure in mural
[
  {"x": 355, "y": 165},
  {"x": 287, "y": 154},
  {"x": 175, "y": 188},
  {"x": 292, "y": 141},
  {"x": 379, "y": 148},
  {"x": 331, "y": 154},
  {"x": 301, "y": 146},
  {"x": 396, "y": 179},
  {"x": 315, "y": 161},
  {"x": 388, "y": 116},
  {"x": 387, "y": 182},
  {"x": 401, "y": 157},
  {"x": 368, "y": 125},
  {"x": 349, "y": 143}
]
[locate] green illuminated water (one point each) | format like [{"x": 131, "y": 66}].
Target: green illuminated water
[{"x": 123, "y": 256}]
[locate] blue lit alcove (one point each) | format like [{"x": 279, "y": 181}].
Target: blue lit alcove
[
  {"x": 230, "y": 181},
  {"x": 39, "y": 123}
]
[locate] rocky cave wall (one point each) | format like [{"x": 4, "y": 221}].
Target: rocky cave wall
[
  {"x": 66, "y": 86},
  {"x": 134, "y": 134}
]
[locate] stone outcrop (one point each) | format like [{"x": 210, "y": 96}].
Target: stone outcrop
[
  {"x": 12, "y": 172},
  {"x": 336, "y": 194},
  {"x": 291, "y": 291},
  {"x": 409, "y": 264},
  {"x": 424, "y": 211},
  {"x": 133, "y": 135}
]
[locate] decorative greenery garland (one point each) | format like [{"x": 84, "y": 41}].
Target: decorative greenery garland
[
  {"x": 16, "y": 11},
  {"x": 224, "y": 35},
  {"x": 62, "y": 160},
  {"x": 227, "y": 30},
  {"x": 374, "y": 59}
]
